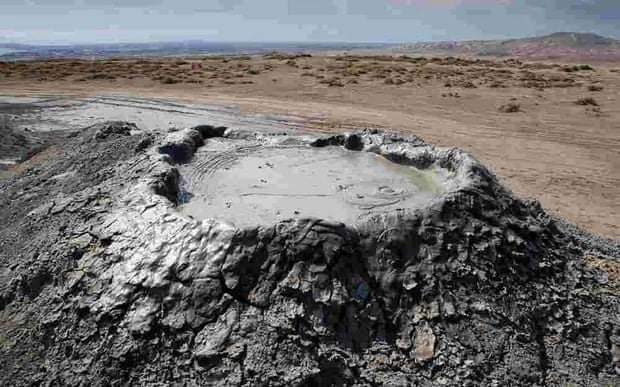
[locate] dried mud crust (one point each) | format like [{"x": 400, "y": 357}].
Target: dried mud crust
[
  {"x": 104, "y": 282},
  {"x": 19, "y": 145}
]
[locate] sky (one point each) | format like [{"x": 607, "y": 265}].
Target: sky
[{"x": 110, "y": 21}]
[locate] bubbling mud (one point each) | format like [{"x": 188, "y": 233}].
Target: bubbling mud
[{"x": 261, "y": 185}]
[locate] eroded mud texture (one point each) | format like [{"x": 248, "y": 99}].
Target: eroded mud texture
[
  {"x": 18, "y": 144},
  {"x": 105, "y": 279}
]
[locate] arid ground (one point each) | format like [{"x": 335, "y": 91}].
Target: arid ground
[{"x": 550, "y": 131}]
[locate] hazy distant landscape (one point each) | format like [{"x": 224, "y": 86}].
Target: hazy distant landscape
[
  {"x": 7, "y": 51},
  {"x": 101, "y": 51},
  {"x": 562, "y": 45}
]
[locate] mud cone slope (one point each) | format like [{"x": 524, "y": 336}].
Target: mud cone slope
[{"x": 213, "y": 256}]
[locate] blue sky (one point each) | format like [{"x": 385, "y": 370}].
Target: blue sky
[{"x": 84, "y": 21}]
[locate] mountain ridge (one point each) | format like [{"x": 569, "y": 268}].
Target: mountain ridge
[{"x": 564, "y": 45}]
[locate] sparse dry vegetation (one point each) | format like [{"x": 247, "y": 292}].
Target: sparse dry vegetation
[
  {"x": 455, "y": 93},
  {"x": 587, "y": 101},
  {"x": 339, "y": 71},
  {"x": 585, "y": 67},
  {"x": 451, "y": 94},
  {"x": 169, "y": 81},
  {"x": 510, "y": 107}
]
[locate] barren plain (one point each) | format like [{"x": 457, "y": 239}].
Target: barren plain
[{"x": 550, "y": 131}]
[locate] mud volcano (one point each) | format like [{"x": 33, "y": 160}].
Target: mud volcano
[
  {"x": 210, "y": 256},
  {"x": 250, "y": 182}
]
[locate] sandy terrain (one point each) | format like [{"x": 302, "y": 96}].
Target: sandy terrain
[{"x": 550, "y": 132}]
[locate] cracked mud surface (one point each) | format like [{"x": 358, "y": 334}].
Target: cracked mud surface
[{"x": 114, "y": 285}]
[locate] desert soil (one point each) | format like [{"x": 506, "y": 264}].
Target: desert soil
[{"x": 550, "y": 131}]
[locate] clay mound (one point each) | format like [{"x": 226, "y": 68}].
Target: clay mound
[{"x": 115, "y": 284}]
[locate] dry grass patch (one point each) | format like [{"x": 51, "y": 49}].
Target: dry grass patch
[
  {"x": 452, "y": 95},
  {"x": 571, "y": 69},
  {"x": 587, "y": 101},
  {"x": 510, "y": 107},
  {"x": 169, "y": 80},
  {"x": 332, "y": 82}
]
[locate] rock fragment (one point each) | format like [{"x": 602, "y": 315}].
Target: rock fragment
[{"x": 424, "y": 343}]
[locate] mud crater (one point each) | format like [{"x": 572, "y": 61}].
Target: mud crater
[
  {"x": 473, "y": 287},
  {"x": 249, "y": 180}
]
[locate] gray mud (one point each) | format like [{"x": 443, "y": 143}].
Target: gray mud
[
  {"x": 67, "y": 113},
  {"x": 105, "y": 281},
  {"x": 29, "y": 125},
  {"x": 18, "y": 144},
  {"x": 252, "y": 184}
]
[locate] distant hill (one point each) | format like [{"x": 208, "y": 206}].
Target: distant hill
[{"x": 560, "y": 45}]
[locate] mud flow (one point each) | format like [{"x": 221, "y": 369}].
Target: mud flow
[{"x": 261, "y": 185}]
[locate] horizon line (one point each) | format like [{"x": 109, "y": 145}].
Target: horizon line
[{"x": 172, "y": 41}]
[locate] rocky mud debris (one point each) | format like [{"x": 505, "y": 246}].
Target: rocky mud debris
[
  {"x": 20, "y": 144},
  {"x": 104, "y": 282}
]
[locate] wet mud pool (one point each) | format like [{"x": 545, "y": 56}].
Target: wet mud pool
[{"x": 256, "y": 185}]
